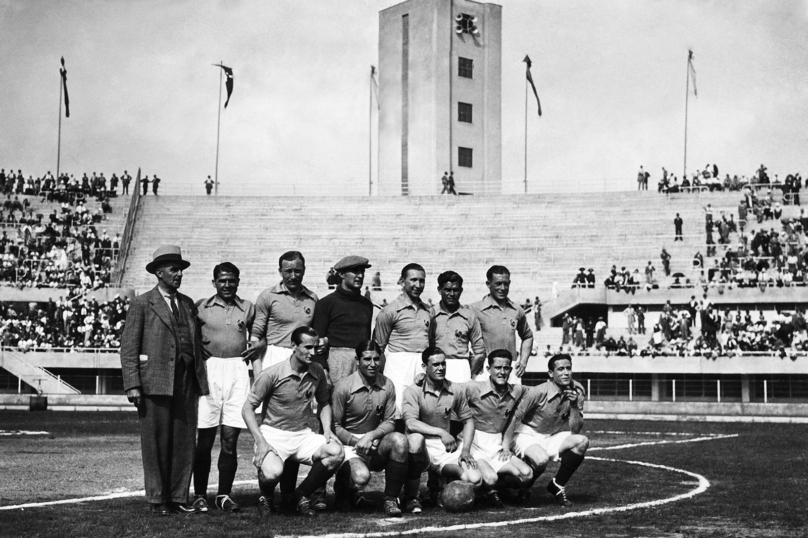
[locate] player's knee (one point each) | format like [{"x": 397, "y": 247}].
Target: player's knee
[
  {"x": 416, "y": 442},
  {"x": 538, "y": 460},
  {"x": 399, "y": 446},
  {"x": 360, "y": 476},
  {"x": 525, "y": 473},
  {"x": 334, "y": 456},
  {"x": 581, "y": 444},
  {"x": 269, "y": 472},
  {"x": 473, "y": 477}
]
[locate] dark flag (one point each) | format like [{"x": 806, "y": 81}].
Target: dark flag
[
  {"x": 375, "y": 83},
  {"x": 692, "y": 71},
  {"x": 228, "y": 83},
  {"x": 63, "y": 71},
  {"x": 530, "y": 79}
]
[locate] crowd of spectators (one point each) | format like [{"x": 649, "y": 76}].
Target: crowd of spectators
[
  {"x": 710, "y": 179},
  {"x": 69, "y": 323},
  {"x": 65, "y": 188},
  {"x": 60, "y": 249},
  {"x": 696, "y": 329}
]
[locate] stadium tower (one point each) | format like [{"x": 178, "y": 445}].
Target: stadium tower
[{"x": 440, "y": 64}]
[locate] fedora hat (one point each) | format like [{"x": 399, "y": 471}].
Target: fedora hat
[{"x": 167, "y": 254}]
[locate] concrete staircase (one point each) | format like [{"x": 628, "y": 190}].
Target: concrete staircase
[
  {"x": 38, "y": 378},
  {"x": 542, "y": 239}
]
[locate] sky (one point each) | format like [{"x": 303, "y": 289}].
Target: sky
[{"x": 611, "y": 77}]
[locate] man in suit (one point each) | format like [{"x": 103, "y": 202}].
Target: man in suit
[{"x": 163, "y": 373}]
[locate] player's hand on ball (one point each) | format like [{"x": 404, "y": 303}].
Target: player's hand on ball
[
  {"x": 135, "y": 396},
  {"x": 448, "y": 441}
]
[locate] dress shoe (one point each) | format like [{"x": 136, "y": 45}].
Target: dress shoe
[
  {"x": 159, "y": 509},
  {"x": 181, "y": 508}
]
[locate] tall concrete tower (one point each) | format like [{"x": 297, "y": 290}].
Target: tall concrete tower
[{"x": 440, "y": 85}]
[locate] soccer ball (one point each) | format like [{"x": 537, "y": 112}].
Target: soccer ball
[{"x": 457, "y": 496}]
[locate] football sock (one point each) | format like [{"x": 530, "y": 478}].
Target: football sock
[
  {"x": 228, "y": 463},
  {"x": 202, "y": 459},
  {"x": 317, "y": 477},
  {"x": 570, "y": 461},
  {"x": 395, "y": 474},
  {"x": 289, "y": 477}
]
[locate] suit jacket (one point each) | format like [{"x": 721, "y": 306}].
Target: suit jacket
[{"x": 149, "y": 345}]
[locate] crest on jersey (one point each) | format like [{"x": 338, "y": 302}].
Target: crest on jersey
[
  {"x": 458, "y": 334},
  {"x": 447, "y": 411},
  {"x": 308, "y": 310},
  {"x": 379, "y": 409},
  {"x": 513, "y": 324}
]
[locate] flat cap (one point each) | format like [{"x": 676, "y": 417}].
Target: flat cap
[{"x": 349, "y": 262}]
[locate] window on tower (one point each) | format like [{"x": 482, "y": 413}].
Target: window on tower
[
  {"x": 464, "y": 157},
  {"x": 465, "y": 68},
  {"x": 464, "y": 112}
]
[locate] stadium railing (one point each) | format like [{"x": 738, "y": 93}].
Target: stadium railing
[{"x": 131, "y": 218}]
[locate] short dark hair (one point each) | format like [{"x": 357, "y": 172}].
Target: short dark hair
[
  {"x": 367, "y": 345},
  {"x": 557, "y": 357},
  {"x": 499, "y": 354},
  {"x": 225, "y": 267},
  {"x": 431, "y": 351},
  {"x": 297, "y": 334},
  {"x": 291, "y": 256},
  {"x": 411, "y": 266},
  {"x": 496, "y": 270},
  {"x": 449, "y": 276}
]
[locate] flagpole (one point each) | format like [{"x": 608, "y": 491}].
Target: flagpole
[
  {"x": 218, "y": 125},
  {"x": 687, "y": 95},
  {"x": 525, "y": 135},
  {"x": 370, "y": 132},
  {"x": 59, "y": 139}
]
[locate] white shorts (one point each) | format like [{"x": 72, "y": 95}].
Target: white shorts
[
  {"x": 486, "y": 447},
  {"x": 438, "y": 457},
  {"x": 526, "y": 437},
  {"x": 274, "y": 355},
  {"x": 229, "y": 384},
  {"x": 300, "y": 446},
  {"x": 400, "y": 368},
  {"x": 458, "y": 370}
]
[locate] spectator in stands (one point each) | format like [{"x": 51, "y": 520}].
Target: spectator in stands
[
  {"x": 125, "y": 180},
  {"x": 208, "y": 186},
  {"x": 580, "y": 279},
  {"x": 677, "y": 225},
  {"x": 155, "y": 184},
  {"x": 640, "y": 320},
  {"x": 666, "y": 261},
  {"x": 630, "y": 314},
  {"x": 590, "y": 278}
]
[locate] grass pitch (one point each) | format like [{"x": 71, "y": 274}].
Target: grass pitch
[{"x": 758, "y": 480}]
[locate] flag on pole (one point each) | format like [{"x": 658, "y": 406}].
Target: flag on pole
[
  {"x": 692, "y": 71},
  {"x": 228, "y": 83},
  {"x": 530, "y": 79},
  {"x": 63, "y": 72},
  {"x": 375, "y": 84}
]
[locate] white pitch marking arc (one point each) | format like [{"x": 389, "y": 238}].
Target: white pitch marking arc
[{"x": 702, "y": 487}]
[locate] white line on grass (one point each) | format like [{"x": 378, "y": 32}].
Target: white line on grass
[
  {"x": 110, "y": 496},
  {"x": 712, "y": 437},
  {"x": 5, "y": 433},
  {"x": 702, "y": 487}
]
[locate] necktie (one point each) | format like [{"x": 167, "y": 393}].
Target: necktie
[{"x": 174, "y": 309}]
